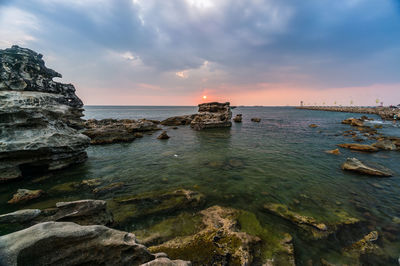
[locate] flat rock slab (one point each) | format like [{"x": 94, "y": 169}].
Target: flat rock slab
[{"x": 355, "y": 165}]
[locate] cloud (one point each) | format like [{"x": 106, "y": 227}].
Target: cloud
[{"x": 112, "y": 46}]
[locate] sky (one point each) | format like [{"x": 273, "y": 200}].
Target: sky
[{"x": 253, "y": 52}]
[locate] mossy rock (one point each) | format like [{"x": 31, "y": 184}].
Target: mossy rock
[
  {"x": 154, "y": 203},
  {"x": 317, "y": 228},
  {"x": 224, "y": 236}
]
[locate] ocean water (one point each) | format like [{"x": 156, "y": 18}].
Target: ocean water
[{"x": 279, "y": 160}]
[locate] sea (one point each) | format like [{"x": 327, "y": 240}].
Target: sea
[{"x": 279, "y": 160}]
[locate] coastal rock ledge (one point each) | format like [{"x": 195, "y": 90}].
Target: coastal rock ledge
[{"x": 40, "y": 119}]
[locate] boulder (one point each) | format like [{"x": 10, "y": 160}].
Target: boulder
[
  {"x": 238, "y": 118},
  {"x": 212, "y": 115},
  {"x": 256, "y": 119},
  {"x": 24, "y": 195},
  {"x": 353, "y": 164},
  {"x": 385, "y": 144},
  {"x": 83, "y": 212},
  {"x": 66, "y": 243},
  {"x": 107, "y": 131},
  {"x": 359, "y": 147},
  {"x": 178, "y": 120},
  {"x": 40, "y": 119},
  {"x": 163, "y": 135}
]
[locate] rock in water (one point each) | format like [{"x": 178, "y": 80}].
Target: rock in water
[
  {"x": 163, "y": 135},
  {"x": 353, "y": 164},
  {"x": 238, "y": 118},
  {"x": 39, "y": 118},
  {"x": 359, "y": 147},
  {"x": 256, "y": 119},
  {"x": 66, "y": 243},
  {"x": 212, "y": 115}
]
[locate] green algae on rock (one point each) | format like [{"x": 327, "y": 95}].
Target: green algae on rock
[
  {"x": 152, "y": 203},
  {"x": 222, "y": 236},
  {"x": 316, "y": 228}
]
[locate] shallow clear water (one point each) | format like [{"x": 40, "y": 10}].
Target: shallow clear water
[{"x": 278, "y": 160}]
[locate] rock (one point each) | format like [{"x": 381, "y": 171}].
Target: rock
[
  {"x": 359, "y": 147},
  {"x": 40, "y": 119},
  {"x": 316, "y": 228},
  {"x": 24, "y": 195},
  {"x": 163, "y": 135},
  {"x": 109, "y": 188},
  {"x": 66, "y": 243},
  {"x": 167, "y": 262},
  {"x": 385, "y": 145},
  {"x": 353, "y": 164},
  {"x": 152, "y": 203},
  {"x": 353, "y": 122},
  {"x": 378, "y": 126},
  {"x": 83, "y": 212},
  {"x": 226, "y": 236},
  {"x": 313, "y": 125},
  {"x": 238, "y": 118},
  {"x": 178, "y": 120},
  {"x": 107, "y": 131},
  {"x": 256, "y": 119},
  {"x": 212, "y": 115},
  {"x": 21, "y": 216},
  {"x": 363, "y": 246},
  {"x": 335, "y": 151}
]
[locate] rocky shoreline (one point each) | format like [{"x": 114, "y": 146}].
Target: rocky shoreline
[{"x": 386, "y": 113}]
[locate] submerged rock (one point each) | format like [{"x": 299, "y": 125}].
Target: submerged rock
[
  {"x": 66, "y": 243},
  {"x": 385, "y": 145},
  {"x": 313, "y": 125},
  {"x": 24, "y": 195},
  {"x": 39, "y": 118},
  {"x": 212, "y": 115},
  {"x": 316, "y": 228},
  {"x": 353, "y": 164},
  {"x": 108, "y": 188},
  {"x": 107, "y": 131},
  {"x": 238, "y": 118},
  {"x": 163, "y": 135},
  {"x": 335, "y": 151},
  {"x": 178, "y": 120},
  {"x": 359, "y": 147},
  {"x": 226, "y": 236},
  {"x": 152, "y": 203}
]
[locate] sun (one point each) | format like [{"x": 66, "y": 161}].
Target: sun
[{"x": 204, "y": 97}]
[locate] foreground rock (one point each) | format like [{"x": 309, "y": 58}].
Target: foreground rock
[
  {"x": 66, "y": 243},
  {"x": 212, "y": 115},
  {"x": 355, "y": 165},
  {"x": 359, "y": 147},
  {"x": 221, "y": 236},
  {"x": 39, "y": 118},
  {"x": 21, "y": 216},
  {"x": 178, "y": 120},
  {"x": 317, "y": 229},
  {"x": 108, "y": 131}
]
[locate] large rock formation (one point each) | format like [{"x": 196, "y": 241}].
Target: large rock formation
[
  {"x": 39, "y": 118},
  {"x": 66, "y": 243},
  {"x": 212, "y": 115}
]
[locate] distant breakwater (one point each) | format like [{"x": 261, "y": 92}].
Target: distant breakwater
[{"x": 386, "y": 113}]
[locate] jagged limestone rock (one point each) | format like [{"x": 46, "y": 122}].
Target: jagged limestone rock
[
  {"x": 212, "y": 115},
  {"x": 39, "y": 118}
]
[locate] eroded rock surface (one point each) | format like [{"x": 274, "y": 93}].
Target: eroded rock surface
[
  {"x": 66, "y": 243},
  {"x": 355, "y": 165},
  {"x": 108, "y": 131},
  {"x": 212, "y": 115},
  {"x": 39, "y": 117},
  {"x": 359, "y": 147},
  {"x": 178, "y": 120}
]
